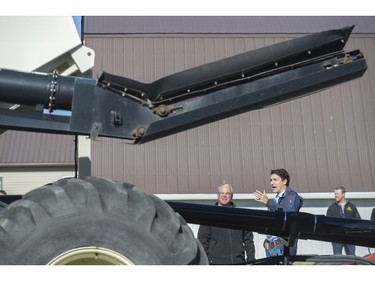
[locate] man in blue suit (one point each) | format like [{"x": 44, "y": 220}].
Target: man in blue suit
[{"x": 286, "y": 199}]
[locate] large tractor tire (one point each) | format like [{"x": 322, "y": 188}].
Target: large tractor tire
[{"x": 96, "y": 221}]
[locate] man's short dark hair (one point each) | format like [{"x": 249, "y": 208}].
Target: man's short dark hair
[
  {"x": 340, "y": 188},
  {"x": 283, "y": 174}
]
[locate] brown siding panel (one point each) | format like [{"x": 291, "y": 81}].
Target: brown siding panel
[
  {"x": 323, "y": 140},
  {"x": 18, "y": 147}
]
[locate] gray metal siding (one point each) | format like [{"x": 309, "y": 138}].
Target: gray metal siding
[
  {"x": 21, "y": 148},
  {"x": 323, "y": 140}
]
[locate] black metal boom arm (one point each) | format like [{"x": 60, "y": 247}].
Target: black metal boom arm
[{"x": 120, "y": 107}]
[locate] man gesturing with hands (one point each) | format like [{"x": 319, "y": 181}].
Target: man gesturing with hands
[{"x": 287, "y": 200}]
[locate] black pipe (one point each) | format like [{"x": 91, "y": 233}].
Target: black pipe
[
  {"x": 37, "y": 89},
  {"x": 280, "y": 223}
]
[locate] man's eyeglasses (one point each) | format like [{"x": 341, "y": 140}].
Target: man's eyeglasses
[{"x": 225, "y": 193}]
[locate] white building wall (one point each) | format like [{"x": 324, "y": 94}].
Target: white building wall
[
  {"x": 20, "y": 180},
  {"x": 313, "y": 203}
]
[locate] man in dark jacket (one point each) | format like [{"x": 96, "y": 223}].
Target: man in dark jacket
[
  {"x": 224, "y": 245},
  {"x": 343, "y": 209}
]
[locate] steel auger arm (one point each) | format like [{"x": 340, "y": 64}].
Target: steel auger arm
[{"x": 120, "y": 107}]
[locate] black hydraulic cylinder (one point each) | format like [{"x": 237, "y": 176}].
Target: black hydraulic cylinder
[{"x": 285, "y": 224}]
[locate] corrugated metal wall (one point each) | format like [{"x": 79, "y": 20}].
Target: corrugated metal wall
[
  {"x": 323, "y": 140},
  {"x": 17, "y": 148}
]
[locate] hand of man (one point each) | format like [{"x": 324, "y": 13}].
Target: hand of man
[{"x": 261, "y": 196}]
